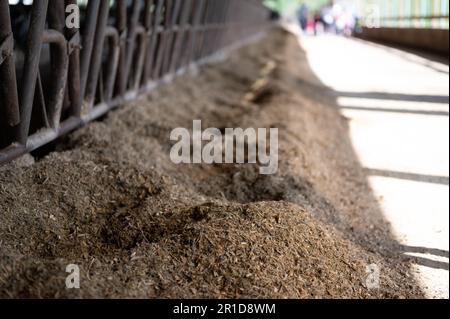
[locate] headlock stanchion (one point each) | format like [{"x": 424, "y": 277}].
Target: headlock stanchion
[{"x": 54, "y": 77}]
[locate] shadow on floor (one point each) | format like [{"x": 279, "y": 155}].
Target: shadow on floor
[
  {"x": 428, "y": 59},
  {"x": 441, "y": 99},
  {"x": 390, "y": 110},
  {"x": 441, "y": 180}
]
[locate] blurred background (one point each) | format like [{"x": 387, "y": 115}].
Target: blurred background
[{"x": 347, "y": 17}]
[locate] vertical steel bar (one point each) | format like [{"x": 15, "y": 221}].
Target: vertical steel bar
[
  {"x": 74, "y": 84},
  {"x": 225, "y": 23},
  {"x": 203, "y": 31},
  {"x": 90, "y": 26},
  {"x": 121, "y": 25},
  {"x": 131, "y": 38},
  {"x": 194, "y": 32},
  {"x": 144, "y": 43},
  {"x": 97, "y": 51},
  {"x": 8, "y": 89},
  {"x": 113, "y": 59},
  {"x": 139, "y": 55},
  {"x": 60, "y": 65},
  {"x": 56, "y": 14},
  {"x": 180, "y": 37},
  {"x": 216, "y": 28},
  {"x": 163, "y": 40},
  {"x": 151, "y": 52},
  {"x": 170, "y": 36},
  {"x": 31, "y": 66}
]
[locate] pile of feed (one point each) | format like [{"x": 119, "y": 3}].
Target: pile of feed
[{"x": 110, "y": 200}]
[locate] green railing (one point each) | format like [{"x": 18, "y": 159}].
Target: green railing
[{"x": 410, "y": 13}]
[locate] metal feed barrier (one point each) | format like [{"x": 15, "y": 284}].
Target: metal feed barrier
[{"x": 54, "y": 79}]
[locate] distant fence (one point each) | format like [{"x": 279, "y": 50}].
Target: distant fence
[
  {"x": 54, "y": 78},
  {"x": 429, "y": 40},
  {"x": 421, "y": 14},
  {"x": 420, "y": 24}
]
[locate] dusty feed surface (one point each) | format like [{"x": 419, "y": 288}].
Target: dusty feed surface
[{"x": 111, "y": 201}]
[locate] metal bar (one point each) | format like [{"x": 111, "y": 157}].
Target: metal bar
[
  {"x": 194, "y": 32},
  {"x": 181, "y": 34},
  {"x": 121, "y": 25},
  {"x": 200, "y": 45},
  {"x": 144, "y": 44},
  {"x": 170, "y": 35},
  {"x": 136, "y": 9},
  {"x": 113, "y": 39},
  {"x": 151, "y": 52},
  {"x": 88, "y": 43},
  {"x": 141, "y": 38},
  {"x": 94, "y": 70},
  {"x": 8, "y": 89},
  {"x": 60, "y": 65},
  {"x": 74, "y": 85},
  {"x": 163, "y": 39},
  {"x": 9, "y": 99},
  {"x": 32, "y": 57}
]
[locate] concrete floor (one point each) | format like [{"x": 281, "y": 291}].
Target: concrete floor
[{"x": 397, "y": 104}]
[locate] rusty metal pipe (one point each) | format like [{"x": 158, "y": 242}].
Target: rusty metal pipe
[
  {"x": 32, "y": 57},
  {"x": 88, "y": 44},
  {"x": 60, "y": 64},
  {"x": 74, "y": 74},
  {"x": 95, "y": 65}
]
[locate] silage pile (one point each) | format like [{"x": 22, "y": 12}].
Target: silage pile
[{"x": 109, "y": 199}]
